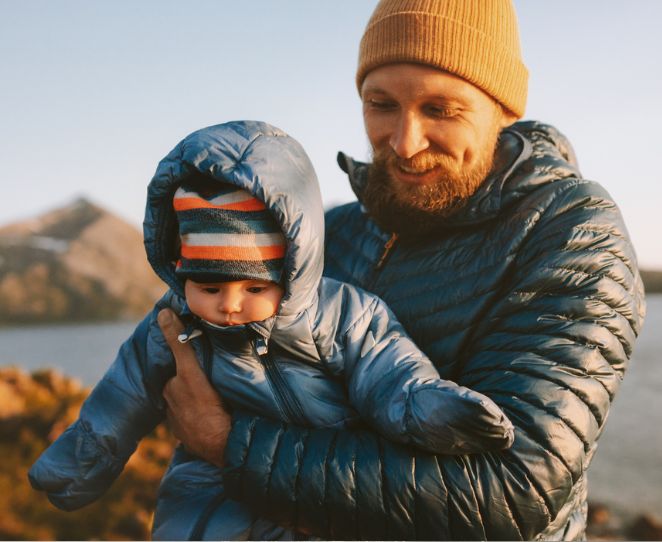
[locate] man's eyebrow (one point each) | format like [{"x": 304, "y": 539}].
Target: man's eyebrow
[
  {"x": 455, "y": 100},
  {"x": 373, "y": 90}
]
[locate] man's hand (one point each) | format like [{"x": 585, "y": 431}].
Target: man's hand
[{"x": 195, "y": 411}]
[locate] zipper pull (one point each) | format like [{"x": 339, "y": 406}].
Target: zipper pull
[
  {"x": 387, "y": 249},
  {"x": 190, "y": 333},
  {"x": 261, "y": 346}
]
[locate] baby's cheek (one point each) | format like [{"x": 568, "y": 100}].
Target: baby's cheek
[{"x": 267, "y": 308}]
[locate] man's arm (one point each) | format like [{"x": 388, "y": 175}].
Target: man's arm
[{"x": 551, "y": 354}]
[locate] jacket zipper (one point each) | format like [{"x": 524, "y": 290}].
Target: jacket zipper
[
  {"x": 388, "y": 246},
  {"x": 386, "y": 252},
  {"x": 287, "y": 399}
]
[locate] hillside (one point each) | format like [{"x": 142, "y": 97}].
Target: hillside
[{"x": 76, "y": 263}]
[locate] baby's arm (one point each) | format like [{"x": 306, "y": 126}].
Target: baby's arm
[
  {"x": 123, "y": 407},
  {"x": 396, "y": 388}
]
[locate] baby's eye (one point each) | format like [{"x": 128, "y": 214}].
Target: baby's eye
[
  {"x": 255, "y": 289},
  {"x": 210, "y": 290}
]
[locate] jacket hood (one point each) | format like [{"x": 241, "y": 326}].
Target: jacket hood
[
  {"x": 528, "y": 155},
  {"x": 264, "y": 161}
]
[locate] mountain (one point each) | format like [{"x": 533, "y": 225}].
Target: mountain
[{"x": 76, "y": 263}]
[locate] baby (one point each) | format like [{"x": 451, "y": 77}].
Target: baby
[{"x": 234, "y": 225}]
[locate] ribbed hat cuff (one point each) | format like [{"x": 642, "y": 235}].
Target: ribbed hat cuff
[{"x": 270, "y": 271}]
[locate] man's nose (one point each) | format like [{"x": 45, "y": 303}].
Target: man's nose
[{"x": 409, "y": 137}]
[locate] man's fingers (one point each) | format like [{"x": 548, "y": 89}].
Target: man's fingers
[
  {"x": 172, "y": 423},
  {"x": 185, "y": 358}
]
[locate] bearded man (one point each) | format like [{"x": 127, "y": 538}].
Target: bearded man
[{"x": 512, "y": 272}]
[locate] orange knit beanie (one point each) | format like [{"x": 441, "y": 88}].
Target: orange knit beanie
[{"x": 477, "y": 40}]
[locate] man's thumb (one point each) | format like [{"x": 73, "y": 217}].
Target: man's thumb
[{"x": 171, "y": 327}]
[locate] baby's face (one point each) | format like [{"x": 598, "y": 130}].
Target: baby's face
[{"x": 233, "y": 303}]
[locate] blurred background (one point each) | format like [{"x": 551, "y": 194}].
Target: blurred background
[{"x": 95, "y": 93}]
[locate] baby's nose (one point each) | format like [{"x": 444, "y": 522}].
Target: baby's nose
[{"x": 229, "y": 303}]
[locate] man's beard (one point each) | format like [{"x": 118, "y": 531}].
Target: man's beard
[{"x": 418, "y": 209}]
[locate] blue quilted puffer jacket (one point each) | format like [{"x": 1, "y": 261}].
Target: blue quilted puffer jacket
[
  {"x": 531, "y": 295},
  {"x": 330, "y": 346}
]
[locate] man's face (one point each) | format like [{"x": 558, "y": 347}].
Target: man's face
[{"x": 433, "y": 137}]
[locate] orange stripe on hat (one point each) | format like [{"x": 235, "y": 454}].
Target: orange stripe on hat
[
  {"x": 253, "y": 253},
  {"x": 187, "y": 204}
]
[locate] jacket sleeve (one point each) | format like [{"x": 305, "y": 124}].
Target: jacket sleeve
[
  {"x": 397, "y": 390},
  {"x": 121, "y": 409},
  {"x": 551, "y": 353}
]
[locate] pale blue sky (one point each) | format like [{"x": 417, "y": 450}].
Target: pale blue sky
[{"x": 94, "y": 93}]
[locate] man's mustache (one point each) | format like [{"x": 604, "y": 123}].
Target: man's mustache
[{"x": 423, "y": 161}]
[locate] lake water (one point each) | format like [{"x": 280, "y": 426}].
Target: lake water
[{"x": 626, "y": 472}]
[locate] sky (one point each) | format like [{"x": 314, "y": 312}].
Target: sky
[{"x": 94, "y": 93}]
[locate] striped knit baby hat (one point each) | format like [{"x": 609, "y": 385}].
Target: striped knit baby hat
[{"x": 226, "y": 234}]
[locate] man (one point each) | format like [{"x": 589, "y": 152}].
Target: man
[{"x": 513, "y": 273}]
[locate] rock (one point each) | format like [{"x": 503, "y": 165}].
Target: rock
[
  {"x": 598, "y": 514},
  {"x": 645, "y": 527},
  {"x": 11, "y": 402},
  {"x": 603, "y": 523},
  {"x": 57, "y": 383}
]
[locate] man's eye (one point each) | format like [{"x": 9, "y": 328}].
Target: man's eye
[
  {"x": 255, "y": 289},
  {"x": 441, "y": 112},
  {"x": 210, "y": 290},
  {"x": 381, "y": 105}
]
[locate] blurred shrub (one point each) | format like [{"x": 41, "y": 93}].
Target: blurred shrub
[{"x": 34, "y": 410}]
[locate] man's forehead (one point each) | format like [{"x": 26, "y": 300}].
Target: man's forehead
[{"x": 418, "y": 80}]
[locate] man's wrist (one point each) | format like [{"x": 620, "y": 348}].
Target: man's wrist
[{"x": 214, "y": 451}]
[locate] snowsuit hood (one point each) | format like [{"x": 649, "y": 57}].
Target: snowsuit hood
[{"x": 274, "y": 168}]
